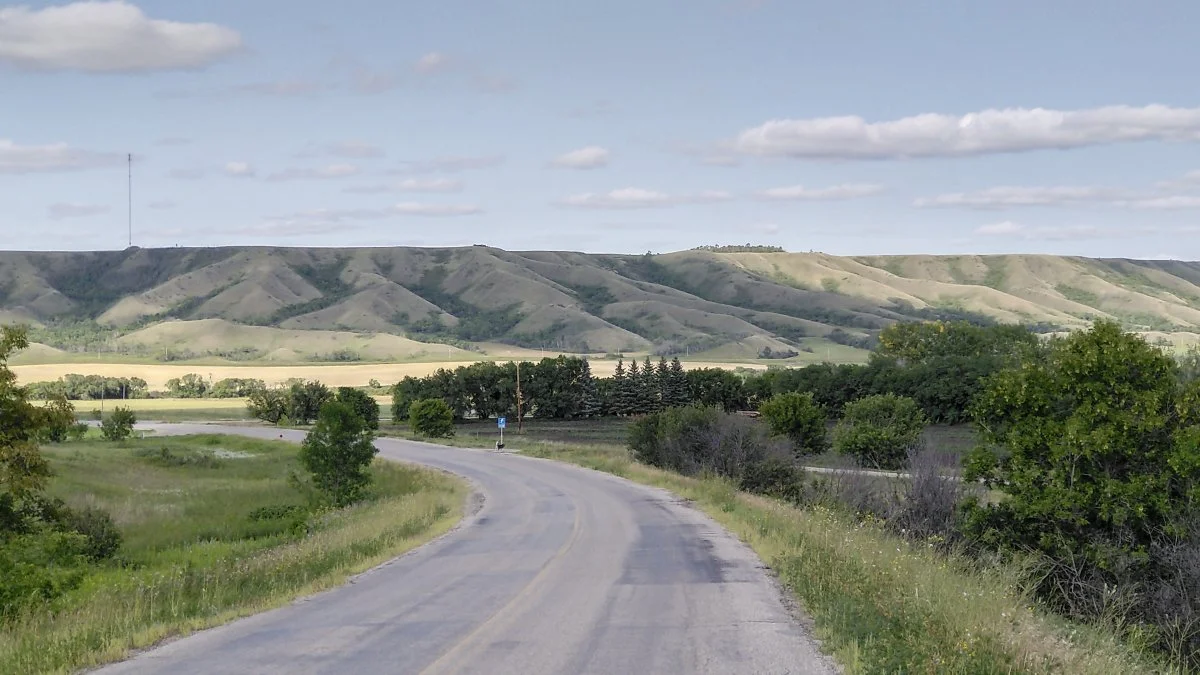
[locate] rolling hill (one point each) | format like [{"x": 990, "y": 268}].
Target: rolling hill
[{"x": 245, "y": 303}]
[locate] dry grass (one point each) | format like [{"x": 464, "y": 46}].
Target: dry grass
[{"x": 356, "y": 375}]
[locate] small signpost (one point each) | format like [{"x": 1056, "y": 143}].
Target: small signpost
[{"x": 501, "y": 422}]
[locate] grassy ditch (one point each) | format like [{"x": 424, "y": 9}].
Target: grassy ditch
[
  {"x": 879, "y": 603},
  {"x": 212, "y": 531}
]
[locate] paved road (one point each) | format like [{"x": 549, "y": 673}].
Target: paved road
[{"x": 562, "y": 570}]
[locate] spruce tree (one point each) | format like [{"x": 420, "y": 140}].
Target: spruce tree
[
  {"x": 663, "y": 375},
  {"x": 619, "y": 401},
  {"x": 678, "y": 387},
  {"x": 650, "y": 388},
  {"x": 590, "y": 405},
  {"x": 633, "y": 389}
]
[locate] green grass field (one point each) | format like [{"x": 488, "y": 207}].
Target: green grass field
[{"x": 195, "y": 552}]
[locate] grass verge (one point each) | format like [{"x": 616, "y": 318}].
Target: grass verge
[
  {"x": 879, "y": 603},
  {"x": 212, "y": 532}
]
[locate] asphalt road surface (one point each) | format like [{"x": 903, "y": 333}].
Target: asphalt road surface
[{"x": 562, "y": 570}]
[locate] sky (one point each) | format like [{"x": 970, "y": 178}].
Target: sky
[{"x": 853, "y": 128}]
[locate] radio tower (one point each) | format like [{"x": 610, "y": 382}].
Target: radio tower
[{"x": 131, "y": 199}]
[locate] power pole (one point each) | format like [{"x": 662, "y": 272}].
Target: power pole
[{"x": 520, "y": 421}]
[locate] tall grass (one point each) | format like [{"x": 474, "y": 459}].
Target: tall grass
[
  {"x": 195, "y": 558},
  {"x": 880, "y": 603}
]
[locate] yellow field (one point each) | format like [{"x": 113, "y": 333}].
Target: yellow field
[{"x": 358, "y": 375}]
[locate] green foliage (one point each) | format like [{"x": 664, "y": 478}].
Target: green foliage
[
  {"x": 268, "y": 405},
  {"x": 741, "y": 248},
  {"x": 23, "y": 470},
  {"x": 362, "y": 403},
  {"x": 39, "y": 567},
  {"x": 338, "y": 454},
  {"x": 305, "y": 400},
  {"x": 118, "y": 425},
  {"x": 879, "y": 431},
  {"x": 102, "y": 538},
  {"x": 923, "y": 342},
  {"x": 1100, "y": 457},
  {"x": 593, "y": 298},
  {"x": 1189, "y": 364},
  {"x": 90, "y": 388},
  {"x": 236, "y": 387},
  {"x": 693, "y": 440},
  {"x": 58, "y": 419},
  {"x": 717, "y": 387},
  {"x": 473, "y": 323},
  {"x": 798, "y": 417},
  {"x": 431, "y": 417},
  {"x": 190, "y": 385}
]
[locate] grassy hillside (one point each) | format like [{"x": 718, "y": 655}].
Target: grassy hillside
[{"x": 294, "y": 304}]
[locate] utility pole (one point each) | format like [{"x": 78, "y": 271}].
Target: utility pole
[{"x": 520, "y": 420}]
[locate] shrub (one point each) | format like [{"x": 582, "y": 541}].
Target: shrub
[
  {"x": 694, "y": 440},
  {"x": 879, "y": 431},
  {"x": 431, "y": 417},
  {"x": 305, "y": 400},
  {"x": 1101, "y": 463},
  {"x": 338, "y": 453},
  {"x": 119, "y": 424},
  {"x": 103, "y": 538},
  {"x": 362, "y": 403},
  {"x": 58, "y": 416},
  {"x": 798, "y": 417},
  {"x": 268, "y": 405}
]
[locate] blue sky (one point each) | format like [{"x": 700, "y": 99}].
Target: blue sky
[{"x": 867, "y": 127}]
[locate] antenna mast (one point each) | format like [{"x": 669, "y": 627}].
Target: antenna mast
[{"x": 131, "y": 199}]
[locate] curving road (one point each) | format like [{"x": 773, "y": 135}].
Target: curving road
[{"x": 563, "y": 570}]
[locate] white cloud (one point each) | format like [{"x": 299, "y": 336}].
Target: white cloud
[
  {"x": 985, "y": 132},
  {"x": 590, "y": 157},
  {"x": 112, "y": 36},
  {"x": 450, "y": 164},
  {"x": 325, "y": 172},
  {"x": 1011, "y": 195},
  {"x": 62, "y": 210},
  {"x": 638, "y": 198},
  {"x": 1003, "y": 227},
  {"x": 1170, "y": 203},
  {"x": 18, "y": 159},
  {"x": 239, "y": 170},
  {"x": 832, "y": 193},
  {"x": 435, "y": 210},
  {"x": 432, "y": 62},
  {"x": 1008, "y": 228}
]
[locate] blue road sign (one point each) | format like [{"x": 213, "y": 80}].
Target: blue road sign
[{"x": 501, "y": 422}]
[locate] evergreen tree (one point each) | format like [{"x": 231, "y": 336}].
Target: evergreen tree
[
  {"x": 677, "y": 387},
  {"x": 590, "y": 406},
  {"x": 619, "y": 401},
  {"x": 649, "y": 391},
  {"x": 633, "y": 389},
  {"x": 663, "y": 376}
]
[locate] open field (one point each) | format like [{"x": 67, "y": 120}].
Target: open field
[
  {"x": 200, "y": 550},
  {"x": 357, "y": 375}
]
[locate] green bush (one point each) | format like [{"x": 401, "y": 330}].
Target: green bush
[
  {"x": 431, "y": 417},
  {"x": 362, "y": 403},
  {"x": 305, "y": 400},
  {"x": 268, "y": 405},
  {"x": 338, "y": 453},
  {"x": 103, "y": 538},
  {"x": 879, "y": 431},
  {"x": 798, "y": 417},
  {"x": 695, "y": 440},
  {"x": 1097, "y": 445},
  {"x": 119, "y": 424}
]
